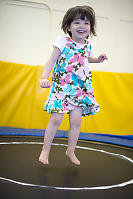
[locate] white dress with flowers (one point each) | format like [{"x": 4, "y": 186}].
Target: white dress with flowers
[{"x": 72, "y": 79}]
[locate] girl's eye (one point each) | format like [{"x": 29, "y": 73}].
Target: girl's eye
[{"x": 76, "y": 22}]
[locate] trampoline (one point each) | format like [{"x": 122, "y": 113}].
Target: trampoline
[{"x": 106, "y": 170}]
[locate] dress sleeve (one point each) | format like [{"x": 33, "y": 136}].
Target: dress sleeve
[{"x": 60, "y": 43}]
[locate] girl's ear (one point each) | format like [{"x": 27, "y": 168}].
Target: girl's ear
[{"x": 68, "y": 29}]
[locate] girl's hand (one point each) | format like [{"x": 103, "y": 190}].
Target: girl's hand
[
  {"x": 45, "y": 83},
  {"x": 101, "y": 58}
]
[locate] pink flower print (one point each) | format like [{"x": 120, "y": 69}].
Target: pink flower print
[
  {"x": 65, "y": 108},
  {"x": 89, "y": 53},
  {"x": 63, "y": 104},
  {"x": 68, "y": 45},
  {"x": 85, "y": 94},
  {"x": 75, "y": 59},
  {"x": 70, "y": 68},
  {"x": 81, "y": 60},
  {"x": 67, "y": 79},
  {"x": 68, "y": 39},
  {"x": 79, "y": 93},
  {"x": 61, "y": 80}
]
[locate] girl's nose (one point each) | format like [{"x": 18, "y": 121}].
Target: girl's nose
[{"x": 82, "y": 25}]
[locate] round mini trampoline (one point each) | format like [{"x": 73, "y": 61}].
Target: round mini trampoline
[
  {"x": 105, "y": 145},
  {"x": 106, "y": 170}
]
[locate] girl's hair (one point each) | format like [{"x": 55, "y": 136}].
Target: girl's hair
[{"x": 79, "y": 12}]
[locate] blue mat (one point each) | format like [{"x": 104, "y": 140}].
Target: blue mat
[{"x": 123, "y": 140}]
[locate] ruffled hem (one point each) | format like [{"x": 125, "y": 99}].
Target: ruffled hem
[{"x": 88, "y": 110}]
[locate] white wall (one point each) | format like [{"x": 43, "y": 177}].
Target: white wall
[{"x": 28, "y": 28}]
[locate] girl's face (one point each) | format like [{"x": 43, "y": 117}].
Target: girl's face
[{"x": 80, "y": 29}]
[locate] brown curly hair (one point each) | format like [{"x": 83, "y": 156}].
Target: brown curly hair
[{"x": 79, "y": 12}]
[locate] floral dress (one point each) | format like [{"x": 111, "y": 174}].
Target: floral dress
[{"x": 72, "y": 80}]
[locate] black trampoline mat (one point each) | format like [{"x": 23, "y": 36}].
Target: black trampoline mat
[{"x": 104, "y": 170}]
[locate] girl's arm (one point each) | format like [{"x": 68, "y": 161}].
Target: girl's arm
[
  {"x": 99, "y": 59},
  {"x": 45, "y": 83}
]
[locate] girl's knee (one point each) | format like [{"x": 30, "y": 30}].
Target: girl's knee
[
  {"x": 56, "y": 118},
  {"x": 75, "y": 118},
  {"x": 75, "y": 121}
]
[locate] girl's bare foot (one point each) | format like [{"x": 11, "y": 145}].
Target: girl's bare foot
[
  {"x": 73, "y": 158},
  {"x": 44, "y": 157}
]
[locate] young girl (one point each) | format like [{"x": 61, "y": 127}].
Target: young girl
[{"x": 71, "y": 88}]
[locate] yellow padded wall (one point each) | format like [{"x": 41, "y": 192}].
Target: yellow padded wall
[
  {"x": 22, "y": 101},
  {"x": 114, "y": 94}
]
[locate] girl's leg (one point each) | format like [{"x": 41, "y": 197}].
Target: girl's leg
[
  {"x": 53, "y": 125},
  {"x": 73, "y": 134}
]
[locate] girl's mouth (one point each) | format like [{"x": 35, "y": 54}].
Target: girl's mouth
[{"x": 81, "y": 31}]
